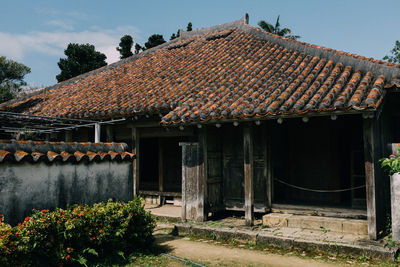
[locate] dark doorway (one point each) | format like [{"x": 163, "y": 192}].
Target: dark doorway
[
  {"x": 161, "y": 164},
  {"x": 322, "y": 154},
  {"x": 148, "y": 164}
]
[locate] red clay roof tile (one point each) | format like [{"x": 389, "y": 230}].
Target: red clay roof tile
[{"x": 226, "y": 72}]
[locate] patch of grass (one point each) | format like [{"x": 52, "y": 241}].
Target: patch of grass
[
  {"x": 216, "y": 224},
  {"x": 324, "y": 229},
  {"x": 213, "y": 236}
]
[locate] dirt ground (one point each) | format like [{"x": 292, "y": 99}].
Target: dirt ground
[{"x": 211, "y": 253}]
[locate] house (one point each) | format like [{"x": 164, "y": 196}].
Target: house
[{"x": 234, "y": 118}]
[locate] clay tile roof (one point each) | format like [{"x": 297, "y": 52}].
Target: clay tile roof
[
  {"x": 67, "y": 156},
  {"x": 104, "y": 155},
  {"x": 80, "y": 156},
  {"x": 36, "y": 151},
  {"x": 229, "y": 71},
  {"x": 22, "y": 155},
  {"x": 5, "y": 156},
  {"x": 37, "y": 156},
  {"x": 53, "y": 156},
  {"x": 126, "y": 155},
  {"x": 93, "y": 156},
  {"x": 114, "y": 155}
]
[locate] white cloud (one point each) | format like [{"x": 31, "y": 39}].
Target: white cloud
[
  {"x": 62, "y": 24},
  {"x": 16, "y": 46}
]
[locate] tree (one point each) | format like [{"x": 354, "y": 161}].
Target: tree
[
  {"x": 173, "y": 36},
  {"x": 286, "y": 32},
  {"x": 11, "y": 78},
  {"x": 81, "y": 58},
  {"x": 154, "y": 40},
  {"x": 395, "y": 54},
  {"x": 138, "y": 47},
  {"x": 125, "y": 46},
  {"x": 189, "y": 27}
]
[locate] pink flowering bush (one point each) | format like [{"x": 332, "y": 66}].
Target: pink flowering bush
[{"x": 77, "y": 235}]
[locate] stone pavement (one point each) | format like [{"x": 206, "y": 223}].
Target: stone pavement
[{"x": 355, "y": 243}]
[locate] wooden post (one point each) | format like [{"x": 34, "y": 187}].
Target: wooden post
[
  {"x": 248, "y": 175},
  {"x": 183, "y": 209},
  {"x": 202, "y": 176},
  {"x": 369, "y": 154},
  {"x": 160, "y": 171},
  {"x": 97, "y": 133},
  {"x": 268, "y": 165},
  {"x": 109, "y": 133},
  {"x": 68, "y": 136},
  {"x": 135, "y": 167}
]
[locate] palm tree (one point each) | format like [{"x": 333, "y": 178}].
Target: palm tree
[{"x": 285, "y": 32}]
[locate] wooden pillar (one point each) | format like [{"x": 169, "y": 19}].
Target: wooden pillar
[
  {"x": 190, "y": 173},
  {"x": 68, "y": 136},
  {"x": 194, "y": 180},
  {"x": 160, "y": 166},
  {"x": 160, "y": 171},
  {"x": 135, "y": 167},
  {"x": 268, "y": 164},
  {"x": 248, "y": 175},
  {"x": 202, "y": 176},
  {"x": 369, "y": 153},
  {"x": 109, "y": 133},
  {"x": 184, "y": 170},
  {"x": 97, "y": 129}
]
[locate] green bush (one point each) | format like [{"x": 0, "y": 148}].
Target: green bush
[
  {"x": 391, "y": 164},
  {"x": 78, "y": 235}
]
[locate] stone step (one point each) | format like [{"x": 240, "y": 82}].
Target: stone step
[{"x": 340, "y": 225}]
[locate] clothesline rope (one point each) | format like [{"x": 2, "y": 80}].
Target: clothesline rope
[{"x": 319, "y": 191}]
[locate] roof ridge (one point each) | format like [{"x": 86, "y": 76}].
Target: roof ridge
[
  {"x": 365, "y": 64},
  {"x": 233, "y": 24}
]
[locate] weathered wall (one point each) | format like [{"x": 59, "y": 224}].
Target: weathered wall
[{"x": 26, "y": 186}]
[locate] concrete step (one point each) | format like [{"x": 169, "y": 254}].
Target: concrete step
[{"x": 340, "y": 225}]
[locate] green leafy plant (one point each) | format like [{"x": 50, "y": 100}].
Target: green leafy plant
[
  {"x": 78, "y": 235},
  {"x": 391, "y": 164},
  {"x": 324, "y": 229}
]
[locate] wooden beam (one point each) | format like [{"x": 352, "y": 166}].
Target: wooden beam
[
  {"x": 162, "y": 132},
  {"x": 157, "y": 193},
  {"x": 248, "y": 175},
  {"x": 369, "y": 153},
  {"x": 202, "y": 176},
  {"x": 136, "y": 151}
]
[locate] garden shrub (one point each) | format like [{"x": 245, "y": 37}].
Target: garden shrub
[{"x": 80, "y": 234}]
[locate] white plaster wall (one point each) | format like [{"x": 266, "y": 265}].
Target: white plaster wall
[{"x": 26, "y": 186}]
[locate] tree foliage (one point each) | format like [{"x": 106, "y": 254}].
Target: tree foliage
[
  {"x": 189, "y": 27},
  {"x": 11, "y": 78},
  {"x": 395, "y": 54},
  {"x": 138, "y": 48},
  {"x": 125, "y": 46},
  {"x": 173, "y": 36},
  {"x": 285, "y": 32},
  {"x": 81, "y": 58},
  {"x": 154, "y": 40}
]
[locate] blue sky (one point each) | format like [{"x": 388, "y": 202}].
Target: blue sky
[{"x": 36, "y": 33}]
